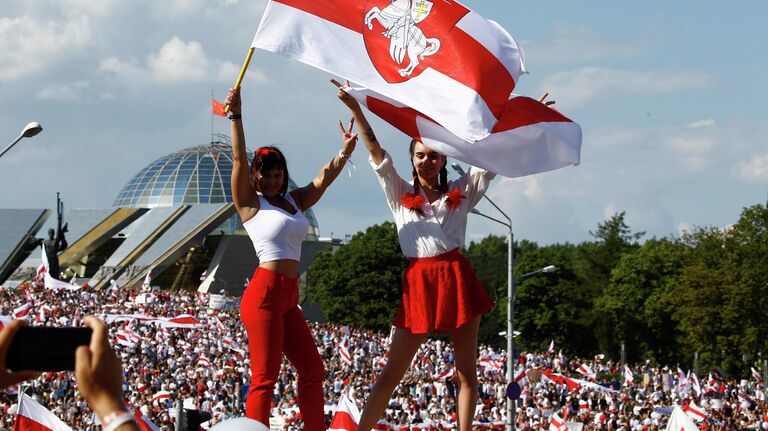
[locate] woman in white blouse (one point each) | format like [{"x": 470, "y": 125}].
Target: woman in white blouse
[{"x": 441, "y": 292}]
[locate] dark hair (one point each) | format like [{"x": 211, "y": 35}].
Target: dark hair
[
  {"x": 266, "y": 159},
  {"x": 442, "y": 181}
]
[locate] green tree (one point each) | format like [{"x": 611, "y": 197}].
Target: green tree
[
  {"x": 360, "y": 284},
  {"x": 633, "y": 301},
  {"x": 489, "y": 260}
]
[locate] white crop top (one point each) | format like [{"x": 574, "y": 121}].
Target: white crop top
[{"x": 276, "y": 233}]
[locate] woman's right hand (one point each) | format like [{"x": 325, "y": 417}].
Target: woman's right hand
[
  {"x": 98, "y": 371},
  {"x": 348, "y": 100},
  {"x": 233, "y": 100}
]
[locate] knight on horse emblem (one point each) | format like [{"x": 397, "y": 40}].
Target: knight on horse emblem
[{"x": 400, "y": 19}]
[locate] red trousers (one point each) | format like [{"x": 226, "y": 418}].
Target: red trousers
[{"x": 275, "y": 326}]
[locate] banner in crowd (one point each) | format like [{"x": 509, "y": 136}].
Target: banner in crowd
[
  {"x": 436, "y": 56},
  {"x": 530, "y": 137}
]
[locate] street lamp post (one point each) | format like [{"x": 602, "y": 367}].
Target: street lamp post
[
  {"x": 511, "y": 407},
  {"x": 29, "y": 131}
]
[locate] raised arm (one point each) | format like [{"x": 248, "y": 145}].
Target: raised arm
[
  {"x": 312, "y": 192},
  {"x": 369, "y": 138},
  {"x": 243, "y": 194}
]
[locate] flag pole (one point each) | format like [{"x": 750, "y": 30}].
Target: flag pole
[
  {"x": 212, "y": 117},
  {"x": 242, "y": 74}
]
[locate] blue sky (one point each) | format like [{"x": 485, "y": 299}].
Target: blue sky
[{"x": 671, "y": 97}]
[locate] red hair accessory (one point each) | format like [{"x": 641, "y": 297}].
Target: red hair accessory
[
  {"x": 261, "y": 152},
  {"x": 412, "y": 201},
  {"x": 453, "y": 201}
]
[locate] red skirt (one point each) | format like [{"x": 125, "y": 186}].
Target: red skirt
[{"x": 440, "y": 294}]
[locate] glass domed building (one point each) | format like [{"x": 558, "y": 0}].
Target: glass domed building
[{"x": 195, "y": 175}]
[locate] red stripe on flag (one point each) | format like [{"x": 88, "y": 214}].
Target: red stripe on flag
[
  {"x": 346, "y": 13},
  {"x": 492, "y": 81},
  {"x": 524, "y": 111},
  {"x": 24, "y": 423},
  {"x": 343, "y": 421},
  {"x": 404, "y": 118}
]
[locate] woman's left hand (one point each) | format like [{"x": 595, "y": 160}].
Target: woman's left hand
[{"x": 349, "y": 138}]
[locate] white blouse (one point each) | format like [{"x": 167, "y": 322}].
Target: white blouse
[{"x": 440, "y": 229}]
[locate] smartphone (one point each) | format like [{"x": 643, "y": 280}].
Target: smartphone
[{"x": 40, "y": 348}]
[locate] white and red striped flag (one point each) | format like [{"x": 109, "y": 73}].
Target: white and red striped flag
[
  {"x": 344, "y": 351},
  {"x": 180, "y": 321},
  {"x": 556, "y": 423},
  {"x": 144, "y": 423},
  {"x": 435, "y": 56},
  {"x": 695, "y": 412},
  {"x": 755, "y": 374},
  {"x": 445, "y": 375},
  {"x": 679, "y": 421},
  {"x": 22, "y": 311},
  {"x": 160, "y": 396},
  {"x": 628, "y": 376},
  {"x": 203, "y": 361},
  {"x": 32, "y": 416},
  {"x": 521, "y": 378},
  {"x": 745, "y": 400},
  {"x": 551, "y": 348},
  {"x": 220, "y": 326},
  {"x": 529, "y": 138},
  {"x": 232, "y": 345},
  {"x": 694, "y": 380},
  {"x": 347, "y": 415},
  {"x": 146, "y": 284},
  {"x": 587, "y": 372}
]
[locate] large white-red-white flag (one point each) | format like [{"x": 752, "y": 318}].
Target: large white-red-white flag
[
  {"x": 586, "y": 371},
  {"x": 347, "y": 415},
  {"x": 679, "y": 421},
  {"x": 22, "y": 311},
  {"x": 529, "y": 138},
  {"x": 344, "y": 354},
  {"x": 32, "y": 416},
  {"x": 435, "y": 56},
  {"x": 695, "y": 412}
]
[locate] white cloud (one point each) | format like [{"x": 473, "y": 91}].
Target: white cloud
[
  {"x": 176, "y": 62},
  {"x": 691, "y": 144},
  {"x": 609, "y": 210},
  {"x": 65, "y": 92},
  {"x": 707, "y": 122},
  {"x": 29, "y": 45},
  {"x": 754, "y": 170},
  {"x": 580, "y": 86}
]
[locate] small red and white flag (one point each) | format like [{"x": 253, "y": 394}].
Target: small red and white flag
[
  {"x": 230, "y": 344},
  {"x": 147, "y": 279},
  {"x": 180, "y": 321},
  {"x": 556, "y": 423},
  {"x": 437, "y": 57},
  {"x": 204, "y": 362},
  {"x": 32, "y": 416},
  {"x": 344, "y": 354},
  {"x": 756, "y": 374},
  {"x": 220, "y": 326},
  {"x": 22, "y": 311},
  {"x": 695, "y": 412},
  {"x": 628, "y": 376},
  {"x": 347, "y": 415},
  {"x": 160, "y": 396},
  {"x": 551, "y": 348},
  {"x": 745, "y": 400},
  {"x": 128, "y": 338},
  {"x": 587, "y": 372},
  {"x": 521, "y": 378},
  {"x": 529, "y": 138},
  {"x": 445, "y": 375},
  {"x": 694, "y": 381},
  {"x": 144, "y": 423}
]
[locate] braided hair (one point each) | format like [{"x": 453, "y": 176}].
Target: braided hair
[
  {"x": 266, "y": 159},
  {"x": 443, "y": 175}
]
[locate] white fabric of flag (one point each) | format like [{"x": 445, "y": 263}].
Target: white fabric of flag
[
  {"x": 347, "y": 415},
  {"x": 530, "y": 137},
  {"x": 679, "y": 421},
  {"x": 435, "y": 56}
]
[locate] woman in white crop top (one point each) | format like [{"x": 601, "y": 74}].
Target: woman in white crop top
[
  {"x": 441, "y": 292},
  {"x": 274, "y": 220}
]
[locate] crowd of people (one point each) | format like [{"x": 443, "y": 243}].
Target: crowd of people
[{"x": 199, "y": 361}]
